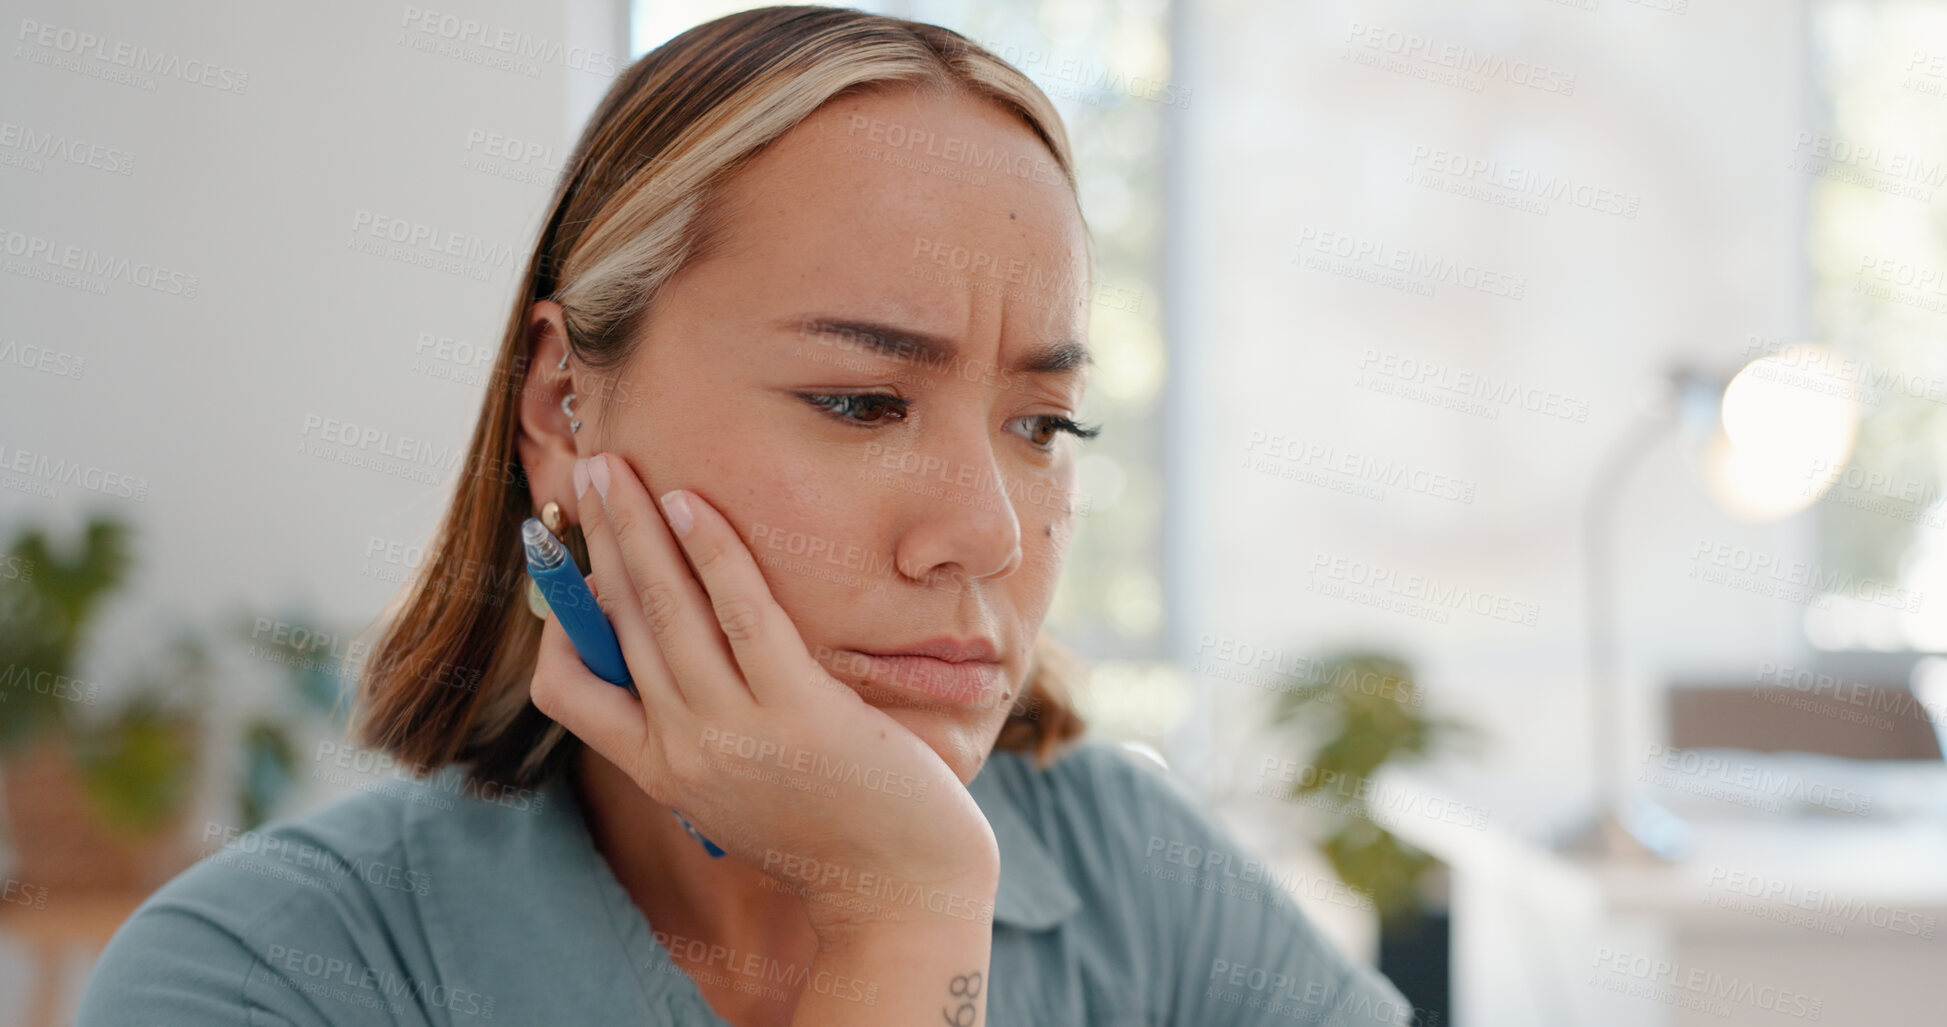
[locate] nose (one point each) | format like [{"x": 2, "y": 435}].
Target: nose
[{"x": 957, "y": 518}]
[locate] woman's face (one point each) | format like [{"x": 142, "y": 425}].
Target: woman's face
[{"x": 867, "y": 376}]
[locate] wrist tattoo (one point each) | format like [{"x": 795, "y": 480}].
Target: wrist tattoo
[{"x": 966, "y": 989}]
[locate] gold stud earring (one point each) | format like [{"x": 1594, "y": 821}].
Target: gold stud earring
[{"x": 551, "y": 516}]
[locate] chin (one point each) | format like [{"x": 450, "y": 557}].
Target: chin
[{"x": 962, "y": 743}]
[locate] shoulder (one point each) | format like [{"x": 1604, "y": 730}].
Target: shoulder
[
  {"x": 238, "y": 936},
  {"x": 1201, "y": 908},
  {"x": 347, "y": 853}
]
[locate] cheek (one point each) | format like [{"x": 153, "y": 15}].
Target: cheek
[{"x": 816, "y": 542}]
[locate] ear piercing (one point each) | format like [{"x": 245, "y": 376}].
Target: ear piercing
[
  {"x": 574, "y": 425},
  {"x": 551, "y": 516}
]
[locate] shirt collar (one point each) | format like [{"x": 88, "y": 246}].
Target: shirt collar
[{"x": 1035, "y": 892}]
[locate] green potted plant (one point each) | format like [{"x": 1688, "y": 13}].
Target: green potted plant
[
  {"x": 95, "y": 785},
  {"x": 1357, "y": 711}
]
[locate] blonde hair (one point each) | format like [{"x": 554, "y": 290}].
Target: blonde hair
[{"x": 448, "y": 678}]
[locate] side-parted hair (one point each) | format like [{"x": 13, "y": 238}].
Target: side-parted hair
[{"x": 447, "y": 680}]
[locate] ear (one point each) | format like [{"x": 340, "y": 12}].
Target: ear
[{"x": 548, "y": 449}]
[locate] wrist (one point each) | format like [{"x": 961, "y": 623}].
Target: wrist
[{"x": 886, "y": 907}]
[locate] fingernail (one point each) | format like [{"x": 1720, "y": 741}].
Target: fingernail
[
  {"x": 581, "y": 477},
  {"x": 598, "y": 475},
  {"x": 677, "y": 507}
]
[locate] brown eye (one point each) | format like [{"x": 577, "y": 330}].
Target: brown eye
[
  {"x": 860, "y": 408},
  {"x": 1044, "y": 428}
]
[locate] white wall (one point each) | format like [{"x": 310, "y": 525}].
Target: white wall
[
  {"x": 1689, "y": 116},
  {"x": 257, "y": 193}
]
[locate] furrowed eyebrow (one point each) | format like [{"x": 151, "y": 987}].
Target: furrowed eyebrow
[{"x": 1058, "y": 358}]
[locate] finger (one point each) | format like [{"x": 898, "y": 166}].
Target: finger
[
  {"x": 768, "y": 648},
  {"x": 607, "y": 718},
  {"x": 670, "y": 600},
  {"x": 662, "y": 696}
]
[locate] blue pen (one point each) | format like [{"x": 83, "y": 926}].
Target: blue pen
[{"x": 561, "y": 584}]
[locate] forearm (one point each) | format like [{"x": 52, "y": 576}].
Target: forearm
[{"x": 931, "y": 969}]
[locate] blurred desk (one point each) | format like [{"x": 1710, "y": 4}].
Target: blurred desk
[
  {"x": 1779, "y": 919},
  {"x": 51, "y": 933}
]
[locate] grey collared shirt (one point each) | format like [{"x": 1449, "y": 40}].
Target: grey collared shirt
[{"x": 430, "y": 902}]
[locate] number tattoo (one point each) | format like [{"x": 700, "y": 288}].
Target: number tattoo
[{"x": 965, "y": 986}]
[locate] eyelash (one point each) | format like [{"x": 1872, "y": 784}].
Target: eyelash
[{"x": 832, "y": 402}]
